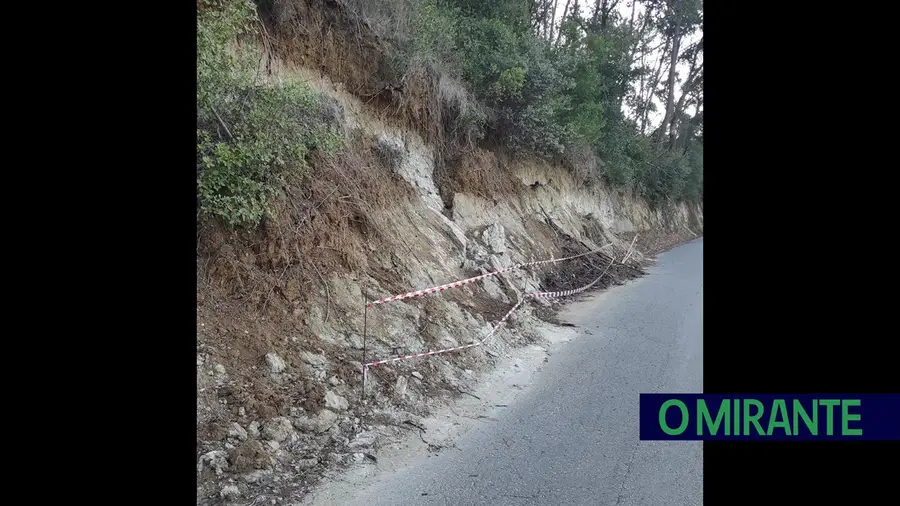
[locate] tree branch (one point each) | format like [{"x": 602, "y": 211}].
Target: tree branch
[{"x": 221, "y": 121}]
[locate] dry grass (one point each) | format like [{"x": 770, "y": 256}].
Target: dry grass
[{"x": 387, "y": 18}]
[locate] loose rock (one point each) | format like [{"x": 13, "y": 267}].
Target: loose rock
[
  {"x": 387, "y": 417},
  {"x": 254, "y": 476},
  {"x": 237, "y": 432},
  {"x": 476, "y": 254},
  {"x": 363, "y": 440},
  {"x": 335, "y": 402},
  {"x": 276, "y": 363},
  {"x": 355, "y": 341},
  {"x": 229, "y": 491},
  {"x": 495, "y": 238},
  {"x": 216, "y": 460},
  {"x": 250, "y": 456},
  {"x": 318, "y": 423},
  {"x": 400, "y": 387},
  {"x": 313, "y": 359},
  {"x": 493, "y": 290},
  {"x": 307, "y": 463},
  {"x": 278, "y": 429}
]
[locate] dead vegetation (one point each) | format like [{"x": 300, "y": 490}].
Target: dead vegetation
[{"x": 606, "y": 268}]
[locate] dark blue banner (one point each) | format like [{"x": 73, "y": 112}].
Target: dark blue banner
[{"x": 772, "y": 417}]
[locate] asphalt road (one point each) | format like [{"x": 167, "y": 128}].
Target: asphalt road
[{"x": 572, "y": 439}]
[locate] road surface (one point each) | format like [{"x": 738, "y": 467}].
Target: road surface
[{"x": 572, "y": 439}]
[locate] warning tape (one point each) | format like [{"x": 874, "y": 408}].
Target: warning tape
[
  {"x": 436, "y": 352},
  {"x": 496, "y": 327},
  {"x": 441, "y": 288},
  {"x": 425, "y": 354},
  {"x": 503, "y": 320},
  {"x": 554, "y": 260},
  {"x": 550, "y": 295}
]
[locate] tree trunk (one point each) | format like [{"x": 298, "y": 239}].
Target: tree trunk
[
  {"x": 602, "y": 10},
  {"x": 638, "y": 40},
  {"x": 631, "y": 23},
  {"x": 553, "y": 20},
  {"x": 545, "y": 19},
  {"x": 637, "y": 105},
  {"x": 679, "y": 107},
  {"x": 652, "y": 89},
  {"x": 533, "y": 10},
  {"x": 608, "y": 6},
  {"x": 670, "y": 100},
  {"x": 595, "y": 16},
  {"x": 561, "y": 21}
]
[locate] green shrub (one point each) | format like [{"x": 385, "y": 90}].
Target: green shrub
[
  {"x": 249, "y": 135},
  {"x": 434, "y": 33},
  {"x": 515, "y": 76}
]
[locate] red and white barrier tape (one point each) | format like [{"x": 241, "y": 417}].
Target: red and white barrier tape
[
  {"x": 503, "y": 320},
  {"x": 441, "y": 288},
  {"x": 548, "y": 295},
  {"x": 425, "y": 354},
  {"x": 436, "y": 352},
  {"x": 554, "y": 260},
  {"x": 493, "y": 331}
]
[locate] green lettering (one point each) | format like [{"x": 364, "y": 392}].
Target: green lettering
[
  {"x": 737, "y": 418},
  {"x": 662, "y": 417},
  {"x": 703, "y": 416},
  {"x": 811, "y": 425},
  {"x": 847, "y": 417},
  {"x": 754, "y": 419},
  {"x": 778, "y": 407},
  {"x": 829, "y": 420}
]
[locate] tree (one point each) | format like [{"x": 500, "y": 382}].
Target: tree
[{"x": 679, "y": 19}]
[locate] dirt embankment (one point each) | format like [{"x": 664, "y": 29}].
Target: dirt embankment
[{"x": 280, "y": 310}]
